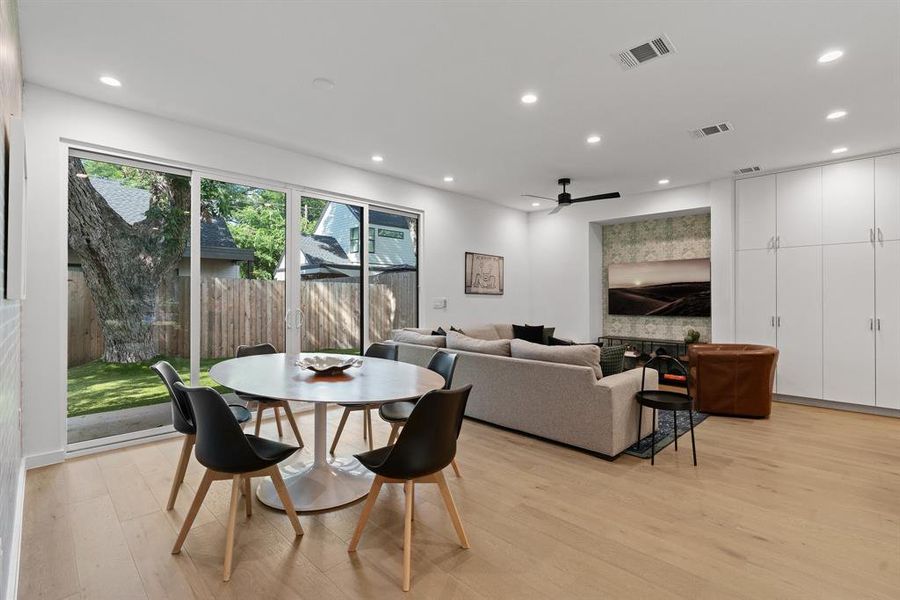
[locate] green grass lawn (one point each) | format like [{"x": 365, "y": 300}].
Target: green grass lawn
[{"x": 98, "y": 386}]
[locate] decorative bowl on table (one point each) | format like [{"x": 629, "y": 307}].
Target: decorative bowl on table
[{"x": 328, "y": 365}]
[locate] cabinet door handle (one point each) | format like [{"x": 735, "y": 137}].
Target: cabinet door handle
[
  {"x": 777, "y": 242},
  {"x": 871, "y": 324},
  {"x": 880, "y": 235},
  {"x": 878, "y": 324},
  {"x": 778, "y": 321},
  {"x": 773, "y": 320},
  {"x": 871, "y": 235},
  {"x": 287, "y": 318},
  {"x": 299, "y": 319}
]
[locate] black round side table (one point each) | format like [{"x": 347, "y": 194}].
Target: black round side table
[{"x": 665, "y": 400}]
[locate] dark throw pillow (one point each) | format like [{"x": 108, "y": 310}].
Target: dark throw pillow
[
  {"x": 548, "y": 333},
  {"x": 529, "y": 333},
  {"x": 555, "y": 341},
  {"x": 439, "y": 331},
  {"x": 452, "y": 328},
  {"x": 612, "y": 360}
]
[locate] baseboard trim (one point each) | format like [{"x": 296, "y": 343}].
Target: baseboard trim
[
  {"x": 15, "y": 546},
  {"x": 42, "y": 460},
  {"x": 857, "y": 408}
]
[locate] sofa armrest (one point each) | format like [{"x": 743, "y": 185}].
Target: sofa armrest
[{"x": 618, "y": 393}]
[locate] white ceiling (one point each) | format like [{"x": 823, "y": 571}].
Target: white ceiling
[{"x": 435, "y": 87}]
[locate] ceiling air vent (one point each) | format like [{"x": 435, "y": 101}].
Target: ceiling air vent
[
  {"x": 629, "y": 59},
  {"x": 711, "y": 130},
  {"x": 747, "y": 170}
]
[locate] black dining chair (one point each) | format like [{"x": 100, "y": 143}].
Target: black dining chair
[
  {"x": 183, "y": 422},
  {"x": 228, "y": 453},
  {"x": 396, "y": 413},
  {"x": 376, "y": 350},
  {"x": 426, "y": 445},
  {"x": 263, "y": 403}
]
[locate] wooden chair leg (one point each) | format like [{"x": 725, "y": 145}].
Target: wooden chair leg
[
  {"x": 180, "y": 470},
  {"x": 407, "y": 535},
  {"x": 192, "y": 512},
  {"x": 248, "y": 497},
  {"x": 451, "y": 508},
  {"x": 229, "y": 533},
  {"x": 412, "y": 491},
  {"x": 293, "y": 423},
  {"x": 340, "y": 429},
  {"x": 368, "y": 423},
  {"x": 395, "y": 431},
  {"x": 364, "y": 515},
  {"x": 259, "y": 416},
  {"x": 365, "y": 428},
  {"x": 285, "y": 498},
  {"x": 278, "y": 421},
  {"x": 455, "y": 468}
]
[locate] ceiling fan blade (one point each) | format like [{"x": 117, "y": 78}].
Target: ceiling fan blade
[
  {"x": 598, "y": 197},
  {"x": 558, "y": 208},
  {"x": 541, "y": 197}
]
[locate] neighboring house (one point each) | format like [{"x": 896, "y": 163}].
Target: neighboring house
[
  {"x": 333, "y": 250},
  {"x": 219, "y": 255}
]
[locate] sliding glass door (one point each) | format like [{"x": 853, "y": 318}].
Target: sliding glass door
[
  {"x": 129, "y": 292},
  {"x": 169, "y": 264}
]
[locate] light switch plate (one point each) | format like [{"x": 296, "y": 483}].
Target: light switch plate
[{"x": 440, "y": 303}]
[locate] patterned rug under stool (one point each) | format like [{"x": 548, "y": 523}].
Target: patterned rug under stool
[{"x": 665, "y": 432}]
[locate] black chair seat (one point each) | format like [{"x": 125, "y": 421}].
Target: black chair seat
[
  {"x": 373, "y": 458},
  {"x": 396, "y": 412},
  {"x": 270, "y": 451},
  {"x": 241, "y": 414}
]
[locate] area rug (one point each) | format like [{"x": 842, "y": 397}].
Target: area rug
[{"x": 665, "y": 433}]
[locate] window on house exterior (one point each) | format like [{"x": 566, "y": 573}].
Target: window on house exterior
[
  {"x": 371, "y": 240},
  {"x": 354, "y": 240}
]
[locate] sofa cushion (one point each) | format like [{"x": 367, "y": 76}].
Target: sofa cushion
[
  {"x": 612, "y": 359},
  {"x": 458, "y": 341},
  {"x": 504, "y": 330},
  {"x": 579, "y": 355},
  {"x": 485, "y": 332},
  {"x": 529, "y": 333},
  {"x": 413, "y": 337}
]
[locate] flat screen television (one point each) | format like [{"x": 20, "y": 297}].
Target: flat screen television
[{"x": 665, "y": 288}]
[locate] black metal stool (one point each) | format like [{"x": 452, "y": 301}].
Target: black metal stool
[{"x": 665, "y": 400}]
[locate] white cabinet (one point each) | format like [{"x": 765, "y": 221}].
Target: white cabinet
[
  {"x": 887, "y": 197},
  {"x": 848, "y": 206},
  {"x": 799, "y": 321},
  {"x": 755, "y": 296},
  {"x": 755, "y": 212},
  {"x": 887, "y": 324},
  {"x": 848, "y": 317},
  {"x": 799, "y": 207}
]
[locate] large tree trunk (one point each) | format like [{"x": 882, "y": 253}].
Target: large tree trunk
[{"x": 125, "y": 264}]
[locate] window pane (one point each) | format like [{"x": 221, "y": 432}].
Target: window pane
[
  {"x": 393, "y": 273},
  {"x": 242, "y": 270},
  {"x": 331, "y": 269},
  {"x": 129, "y": 287}
]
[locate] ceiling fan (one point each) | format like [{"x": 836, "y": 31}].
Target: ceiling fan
[{"x": 565, "y": 198}]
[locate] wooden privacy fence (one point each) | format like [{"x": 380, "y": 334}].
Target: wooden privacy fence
[{"x": 251, "y": 311}]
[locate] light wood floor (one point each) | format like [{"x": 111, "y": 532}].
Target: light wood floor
[{"x": 803, "y": 505}]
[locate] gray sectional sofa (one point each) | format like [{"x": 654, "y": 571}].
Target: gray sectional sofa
[{"x": 560, "y": 402}]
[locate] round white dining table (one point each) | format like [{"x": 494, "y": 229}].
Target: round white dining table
[{"x": 326, "y": 482}]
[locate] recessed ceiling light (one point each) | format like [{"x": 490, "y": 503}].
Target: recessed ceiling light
[
  {"x": 448, "y": 178},
  {"x": 593, "y": 139},
  {"x": 535, "y": 203},
  {"x": 529, "y": 98},
  {"x": 663, "y": 181},
  {"x": 838, "y": 114},
  {"x": 321, "y": 83},
  {"x": 110, "y": 81},
  {"x": 840, "y": 150},
  {"x": 377, "y": 158},
  {"x": 830, "y": 56}
]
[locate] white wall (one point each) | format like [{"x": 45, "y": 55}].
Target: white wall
[
  {"x": 453, "y": 224},
  {"x": 566, "y": 256}
]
